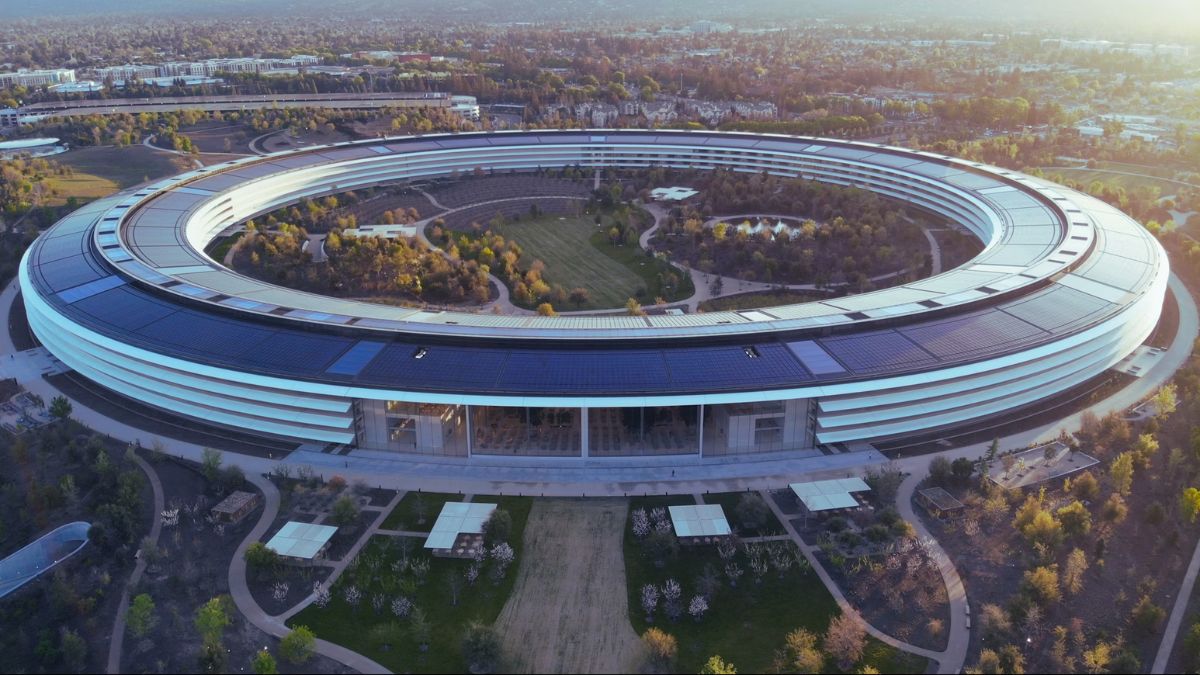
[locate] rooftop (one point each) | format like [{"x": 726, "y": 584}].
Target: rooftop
[
  {"x": 301, "y": 540},
  {"x": 704, "y": 520},
  {"x": 458, "y": 518},
  {"x": 826, "y": 495}
]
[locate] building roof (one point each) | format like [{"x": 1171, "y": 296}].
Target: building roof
[
  {"x": 458, "y": 518},
  {"x": 301, "y": 540},
  {"x": 235, "y": 502},
  {"x": 704, "y": 520},
  {"x": 941, "y": 500},
  {"x": 826, "y": 495}
]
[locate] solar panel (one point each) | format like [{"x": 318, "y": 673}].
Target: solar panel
[
  {"x": 980, "y": 331},
  {"x": 298, "y": 352},
  {"x": 816, "y": 360},
  {"x": 602, "y": 372},
  {"x": 89, "y": 289},
  {"x": 1057, "y": 307},
  {"x": 124, "y": 307},
  {"x": 66, "y": 273},
  {"x": 439, "y": 368},
  {"x": 356, "y": 358},
  {"x": 876, "y": 351},
  {"x": 730, "y": 367}
]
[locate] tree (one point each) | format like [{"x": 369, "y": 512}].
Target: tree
[
  {"x": 940, "y": 471},
  {"x": 1096, "y": 659},
  {"x": 260, "y": 557},
  {"x": 481, "y": 648},
  {"x": 1075, "y": 518},
  {"x": 1077, "y": 565},
  {"x": 844, "y": 640},
  {"x": 210, "y": 465},
  {"x": 74, "y": 651},
  {"x": 752, "y": 512},
  {"x": 1165, "y": 401},
  {"x": 60, "y": 409},
  {"x": 1041, "y": 585},
  {"x": 420, "y": 628},
  {"x": 263, "y": 663},
  {"x": 995, "y": 622},
  {"x": 140, "y": 616},
  {"x": 989, "y": 662},
  {"x": 211, "y": 620},
  {"x": 1121, "y": 472},
  {"x": 1189, "y": 503},
  {"x": 580, "y": 297},
  {"x": 634, "y": 308},
  {"x": 1085, "y": 487},
  {"x": 800, "y": 653},
  {"x": 1114, "y": 509},
  {"x": 962, "y": 468},
  {"x": 1012, "y": 661},
  {"x": 345, "y": 511},
  {"x": 715, "y": 665},
  {"x": 298, "y": 646},
  {"x": 1146, "y": 617},
  {"x": 546, "y": 309},
  {"x": 497, "y": 528},
  {"x": 661, "y": 648}
]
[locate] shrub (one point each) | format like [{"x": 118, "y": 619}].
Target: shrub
[
  {"x": 661, "y": 648},
  {"x": 298, "y": 646}
]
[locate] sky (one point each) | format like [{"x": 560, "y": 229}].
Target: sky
[{"x": 1179, "y": 19}]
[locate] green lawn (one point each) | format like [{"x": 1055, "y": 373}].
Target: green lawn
[
  {"x": 387, "y": 639},
  {"x": 729, "y": 502},
  {"x": 760, "y": 299},
  {"x": 405, "y": 516},
  {"x": 125, "y": 167},
  {"x": 1086, "y": 176},
  {"x": 219, "y": 248},
  {"x": 744, "y": 625},
  {"x": 578, "y": 255}
]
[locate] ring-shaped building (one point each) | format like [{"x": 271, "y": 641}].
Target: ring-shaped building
[{"x": 122, "y": 292}]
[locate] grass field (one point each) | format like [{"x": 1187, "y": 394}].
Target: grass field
[
  {"x": 1086, "y": 176},
  {"x": 747, "y": 624},
  {"x": 389, "y": 640},
  {"x": 578, "y": 255},
  {"x": 123, "y": 167},
  {"x": 760, "y": 299},
  {"x": 405, "y": 516}
]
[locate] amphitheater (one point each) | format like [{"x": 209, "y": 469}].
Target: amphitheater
[{"x": 1064, "y": 288}]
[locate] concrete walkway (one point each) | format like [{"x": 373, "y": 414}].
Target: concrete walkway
[
  {"x": 848, "y": 609},
  {"x": 116, "y": 644},
  {"x": 239, "y": 589},
  {"x": 341, "y": 565},
  {"x": 935, "y": 252},
  {"x": 955, "y": 655},
  {"x": 1175, "y": 622}
]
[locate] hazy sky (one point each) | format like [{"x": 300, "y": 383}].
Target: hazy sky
[{"x": 1174, "y": 18}]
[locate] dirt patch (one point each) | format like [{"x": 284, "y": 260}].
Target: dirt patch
[{"x": 568, "y": 611}]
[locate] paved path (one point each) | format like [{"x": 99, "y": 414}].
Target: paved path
[
  {"x": 848, "y": 609},
  {"x": 955, "y": 655},
  {"x": 935, "y": 252},
  {"x": 341, "y": 565},
  {"x": 116, "y": 644},
  {"x": 1171, "y": 632},
  {"x": 239, "y": 590}
]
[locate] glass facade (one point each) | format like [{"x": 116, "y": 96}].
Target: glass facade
[
  {"x": 533, "y": 431},
  {"x": 625, "y": 432}
]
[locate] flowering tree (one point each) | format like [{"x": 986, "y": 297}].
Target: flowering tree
[
  {"x": 649, "y": 600},
  {"x": 641, "y": 524},
  {"x": 402, "y": 607},
  {"x": 697, "y": 607},
  {"x": 321, "y": 595}
]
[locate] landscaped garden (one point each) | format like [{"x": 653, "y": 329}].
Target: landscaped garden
[
  {"x": 409, "y": 610},
  {"x": 758, "y": 606}
]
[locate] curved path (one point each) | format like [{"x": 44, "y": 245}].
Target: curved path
[
  {"x": 116, "y": 644},
  {"x": 239, "y": 590},
  {"x": 945, "y": 664}
]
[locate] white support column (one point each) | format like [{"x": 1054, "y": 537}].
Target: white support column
[
  {"x": 583, "y": 429},
  {"x": 700, "y": 423},
  {"x": 470, "y": 435}
]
